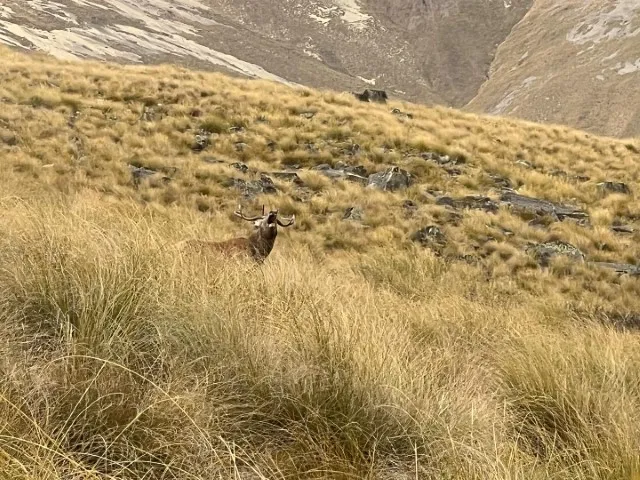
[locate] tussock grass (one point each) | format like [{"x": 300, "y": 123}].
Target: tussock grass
[{"x": 352, "y": 352}]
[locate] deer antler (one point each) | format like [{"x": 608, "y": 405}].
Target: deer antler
[
  {"x": 239, "y": 213},
  {"x": 291, "y": 221}
]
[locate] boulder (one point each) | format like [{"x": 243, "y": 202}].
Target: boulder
[
  {"x": 251, "y": 189},
  {"x": 430, "y": 236},
  {"x": 334, "y": 173},
  {"x": 240, "y": 146},
  {"x": 391, "y": 179},
  {"x": 201, "y": 141},
  {"x": 348, "y": 149},
  {"x": 525, "y": 163},
  {"x": 138, "y": 174},
  {"x": 621, "y": 268},
  {"x": 442, "y": 159},
  {"x": 212, "y": 160},
  {"x": 240, "y": 167},
  {"x": 538, "y": 207},
  {"x": 409, "y": 205},
  {"x": 544, "y": 252},
  {"x": 353, "y": 213},
  {"x": 614, "y": 187},
  {"x": 355, "y": 169},
  {"x": 400, "y": 113},
  {"x": 473, "y": 202},
  {"x": 288, "y": 176},
  {"x": 369, "y": 95},
  {"x": 622, "y": 228},
  {"x": 500, "y": 181}
]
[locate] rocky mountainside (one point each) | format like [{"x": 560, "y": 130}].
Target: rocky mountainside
[
  {"x": 507, "y": 57},
  {"x": 570, "y": 62}
]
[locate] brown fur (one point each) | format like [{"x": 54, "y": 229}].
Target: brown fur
[{"x": 257, "y": 246}]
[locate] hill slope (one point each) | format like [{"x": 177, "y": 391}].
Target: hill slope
[
  {"x": 408, "y": 49},
  {"x": 422, "y": 318},
  {"x": 570, "y": 62},
  {"x": 533, "y": 59}
]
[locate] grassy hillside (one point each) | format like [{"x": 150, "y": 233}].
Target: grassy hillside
[{"x": 354, "y": 351}]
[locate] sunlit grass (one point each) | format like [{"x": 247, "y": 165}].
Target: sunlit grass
[{"x": 353, "y": 352}]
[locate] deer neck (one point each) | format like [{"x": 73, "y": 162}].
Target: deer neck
[{"x": 262, "y": 242}]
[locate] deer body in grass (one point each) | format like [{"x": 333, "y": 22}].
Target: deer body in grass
[{"x": 257, "y": 246}]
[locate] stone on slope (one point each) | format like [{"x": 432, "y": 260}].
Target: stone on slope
[
  {"x": 474, "y": 202},
  {"x": 614, "y": 187},
  {"x": 535, "y": 206},
  {"x": 326, "y": 170},
  {"x": 544, "y": 252},
  {"x": 391, "y": 179},
  {"x": 353, "y": 213},
  {"x": 369, "y": 95},
  {"x": 430, "y": 236},
  {"x": 251, "y": 189},
  {"x": 621, "y": 268}
]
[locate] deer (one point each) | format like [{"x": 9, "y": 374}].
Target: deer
[{"x": 257, "y": 246}]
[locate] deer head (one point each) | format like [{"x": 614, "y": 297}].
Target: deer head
[{"x": 263, "y": 238}]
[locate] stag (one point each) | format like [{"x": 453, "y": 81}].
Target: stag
[{"x": 257, "y": 246}]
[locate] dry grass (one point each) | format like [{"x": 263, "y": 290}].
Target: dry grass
[{"x": 352, "y": 353}]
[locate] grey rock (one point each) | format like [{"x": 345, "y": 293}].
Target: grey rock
[
  {"x": 391, "y": 179},
  {"x": 430, "y": 236},
  {"x": 473, "y": 202},
  {"x": 308, "y": 115},
  {"x": 240, "y": 146},
  {"x": 544, "y": 252},
  {"x": 621, "y": 268},
  {"x": 409, "y": 205},
  {"x": 353, "y": 213},
  {"x": 538, "y": 207},
  {"x": 212, "y": 160},
  {"x": 138, "y": 174},
  {"x": 369, "y": 95},
  {"x": 559, "y": 173},
  {"x": 355, "y": 169},
  {"x": 442, "y": 159},
  {"x": 152, "y": 113},
  {"x": 525, "y": 163},
  {"x": 614, "y": 187},
  {"x": 288, "y": 176},
  {"x": 400, "y": 113},
  {"x": 251, "y": 189},
  {"x": 240, "y": 166},
  {"x": 623, "y": 229},
  {"x": 330, "y": 172},
  {"x": 349, "y": 149},
  {"x": 500, "y": 181},
  {"x": 311, "y": 147},
  {"x": 141, "y": 172},
  {"x": 201, "y": 141}
]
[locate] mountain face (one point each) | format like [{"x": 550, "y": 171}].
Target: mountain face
[
  {"x": 533, "y": 59},
  {"x": 570, "y": 62},
  {"x": 420, "y": 50}
]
